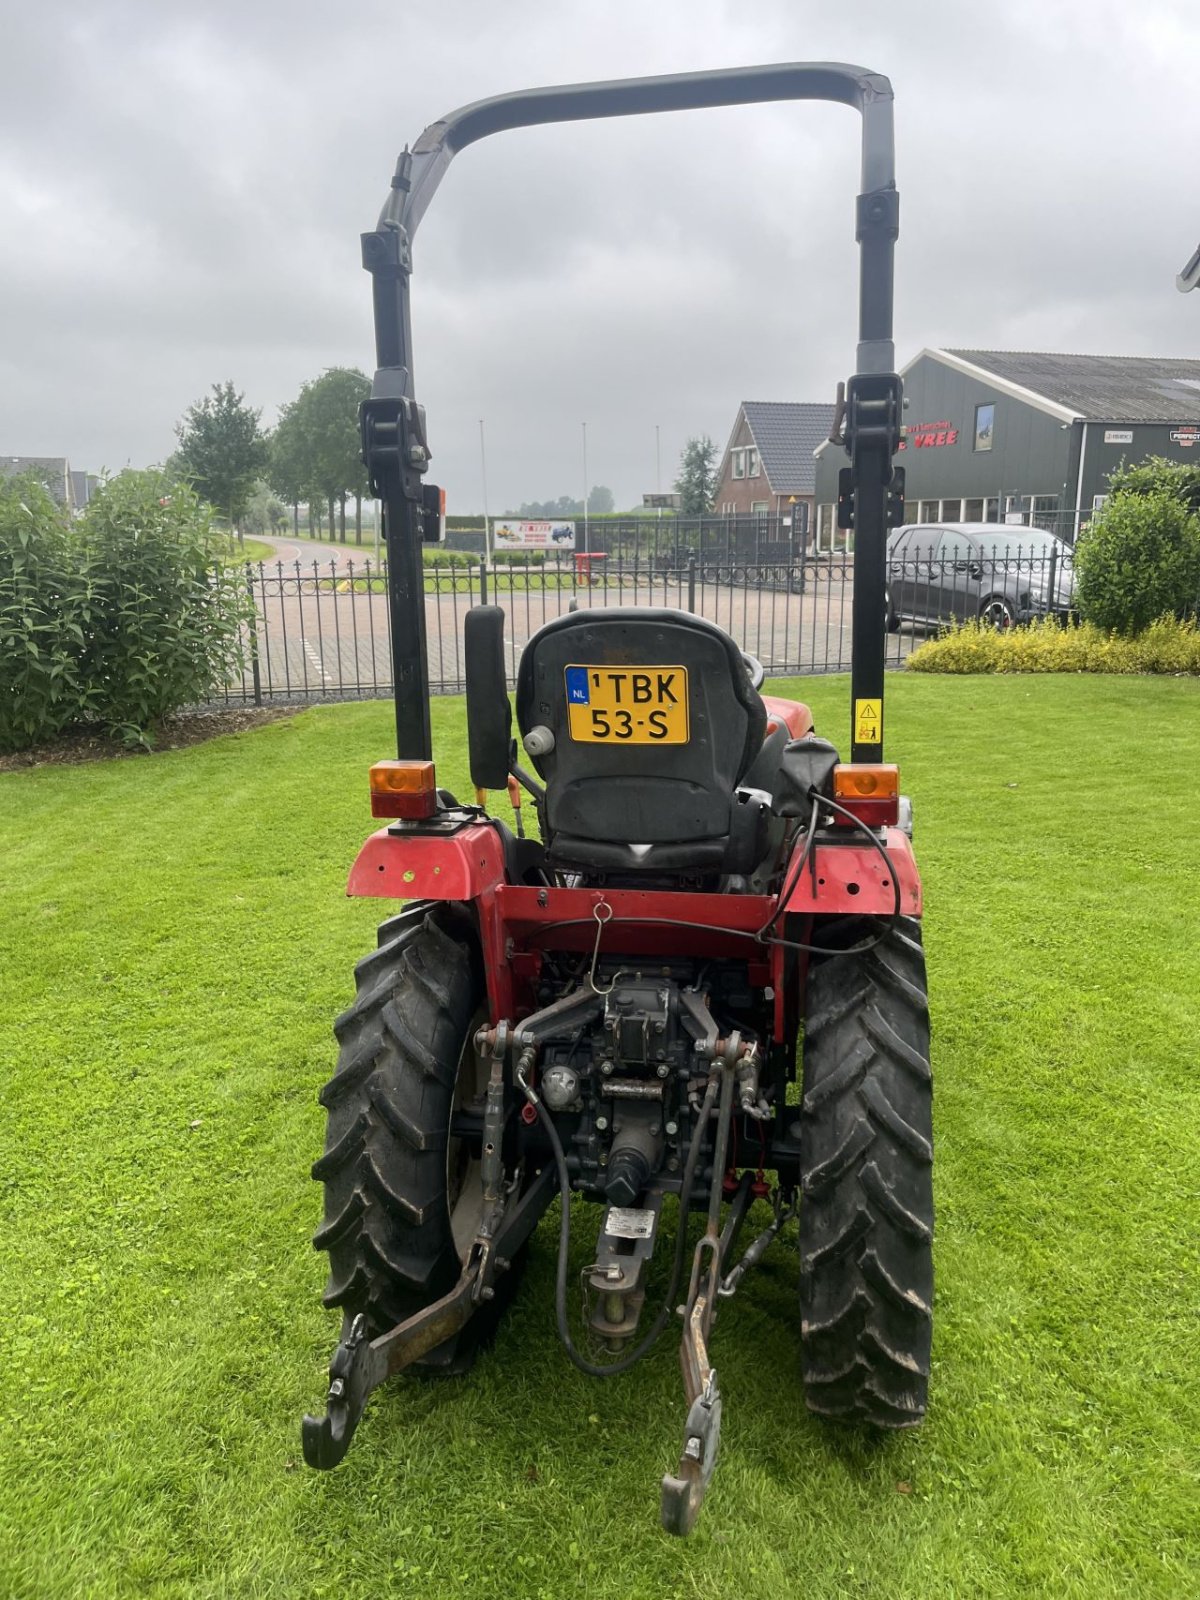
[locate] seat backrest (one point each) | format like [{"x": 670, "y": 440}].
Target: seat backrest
[{"x": 653, "y": 723}]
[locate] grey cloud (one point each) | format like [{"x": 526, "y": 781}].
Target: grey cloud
[{"x": 184, "y": 189}]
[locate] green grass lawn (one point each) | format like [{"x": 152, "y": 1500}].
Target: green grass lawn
[{"x": 174, "y": 945}]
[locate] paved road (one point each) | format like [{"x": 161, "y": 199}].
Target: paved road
[{"x": 318, "y": 637}]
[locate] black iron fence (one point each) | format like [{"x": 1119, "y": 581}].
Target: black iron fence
[{"x": 320, "y": 629}]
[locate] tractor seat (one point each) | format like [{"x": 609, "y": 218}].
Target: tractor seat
[{"x": 643, "y": 725}]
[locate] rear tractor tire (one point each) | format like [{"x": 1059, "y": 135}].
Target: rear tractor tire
[
  {"x": 401, "y": 1197},
  {"x": 866, "y": 1213}
]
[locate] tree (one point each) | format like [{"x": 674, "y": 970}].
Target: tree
[
  {"x": 600, "y": 501},
  {"x": 536, "y": 510},
  {"x": 321, "y": 448},
  {"x": 264, "y": 513},
  {"x": 287, "y": 463},
  {"x": 697, "y": 481},
  {"x": 222, "y": 450}
]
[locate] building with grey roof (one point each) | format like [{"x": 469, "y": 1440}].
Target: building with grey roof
[
  {"x": 768, "y": 466},
  {"x": 54, "y": 472},
  {"x": 1027, "y": 437}
]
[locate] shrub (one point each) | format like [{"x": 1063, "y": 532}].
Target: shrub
[
  {"x": 115, "y": 621},
  {"x": 1167, "y": 645},
  {"x": 1139, "y": 559},
  {"x": 41, "y": 612},
  {"x": 1178, "y": 478},
  {"x": 164, "y": 625}
]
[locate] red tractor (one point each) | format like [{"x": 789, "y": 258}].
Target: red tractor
[{"x": 707, "y": 969}]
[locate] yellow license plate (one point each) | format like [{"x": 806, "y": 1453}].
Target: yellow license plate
[{"x": 627, "y": 705}]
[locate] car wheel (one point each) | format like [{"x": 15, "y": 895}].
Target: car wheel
[
  {"x": 893, "y": 621},
  {"x": 996, "y": 612}
]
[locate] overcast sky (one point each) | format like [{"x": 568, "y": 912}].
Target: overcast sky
[{"x": 183, "y": 187}]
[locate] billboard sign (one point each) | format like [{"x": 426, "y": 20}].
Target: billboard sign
[{"x": 511, "y": 534}]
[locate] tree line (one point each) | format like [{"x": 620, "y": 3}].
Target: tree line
[{"x": 312, "y": 457}]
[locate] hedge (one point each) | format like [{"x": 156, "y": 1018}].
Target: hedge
[{"x": 1166, "y": 646}]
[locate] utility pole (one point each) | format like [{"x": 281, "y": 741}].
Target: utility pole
[
  {"x": 487, "y": 525},
  {"x": 586, "y": 546}
]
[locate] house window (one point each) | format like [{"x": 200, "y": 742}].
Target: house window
[
  {"x": 738, "y": 458},
  {"x": 985, "y": 426},
  {"x": 991, "y": 509},
  {"x": 972, "y": 511},
  {"x": 751, "y": 463},
  {"x": 760, "y": 507},
  {"x": 825, "y": 521},
  {"x": 951, "y": 510},
  {"x": 929, "y": 511},
  {"x": 1098, "y": 501}
]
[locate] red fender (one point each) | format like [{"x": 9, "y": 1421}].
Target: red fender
[
  {"x": 428, "y": 866},
  {"x": 852, "y": 877},
  {"x": 794, "y": 714}
]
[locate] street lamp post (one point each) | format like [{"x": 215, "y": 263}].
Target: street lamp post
[
  {"x": 487, "y": 525},
  {"x": 586, "y": 546}
]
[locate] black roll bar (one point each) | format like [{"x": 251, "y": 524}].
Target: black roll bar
[{"x": 394, "y": 443}]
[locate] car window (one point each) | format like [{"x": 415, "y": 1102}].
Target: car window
[
  {"x": 923, "y": 544},
  {"x": 955, "y": 545},
  {"x": 898, "y": 542},
  {"x": 1020, "y": 542}
]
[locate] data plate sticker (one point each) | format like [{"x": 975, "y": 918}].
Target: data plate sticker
[
  {"x": 627, "y": 705},
  {"x": 623, "y": 1222}
]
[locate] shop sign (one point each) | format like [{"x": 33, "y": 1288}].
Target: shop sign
[
  {"x": 512, "y": 535},
  {"x": 1118, "y": 435},
  {"x": 1185, "y": 436},
  {"x": 929, "y": 435}
]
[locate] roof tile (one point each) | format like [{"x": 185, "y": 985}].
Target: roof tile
[{"x": 786, "y": 433}]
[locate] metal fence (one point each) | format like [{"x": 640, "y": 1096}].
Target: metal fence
[{"x": 321, "y": 628}]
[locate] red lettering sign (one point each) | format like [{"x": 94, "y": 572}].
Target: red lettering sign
[{"x": 929, "y": 435}]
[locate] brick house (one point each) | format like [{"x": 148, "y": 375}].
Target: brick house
[{"x": 768, "y": 464}]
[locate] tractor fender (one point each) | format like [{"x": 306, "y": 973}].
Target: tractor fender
[
  {"x": 425, "y": 866},
  {"x": 851, "y": 877},
  {"x": 793, "y": 714}
]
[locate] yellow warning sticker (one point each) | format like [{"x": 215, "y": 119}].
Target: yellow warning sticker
[{"x": 868, "y": 722}]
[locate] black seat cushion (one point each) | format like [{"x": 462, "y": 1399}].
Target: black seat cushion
[{"x": 621, "y": 794}]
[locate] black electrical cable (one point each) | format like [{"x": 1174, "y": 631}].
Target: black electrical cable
[
  {"x": 793, "y": 875},
  {"x": 613, "y": 1369},
  {"x": 897, "y": 907}
]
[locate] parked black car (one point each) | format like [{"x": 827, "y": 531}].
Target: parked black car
[{"x": 953, "y": 571}]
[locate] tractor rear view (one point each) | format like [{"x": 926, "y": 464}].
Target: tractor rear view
[{"x": 700, "y": 987}]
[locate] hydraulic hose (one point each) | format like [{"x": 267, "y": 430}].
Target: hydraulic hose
[{"x": 613, "y": 1369}]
